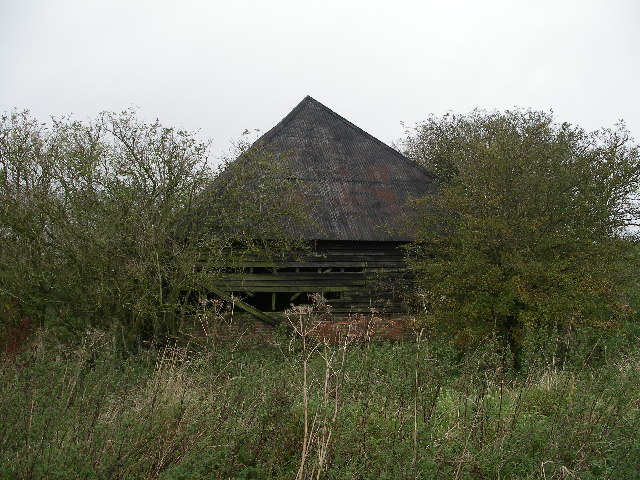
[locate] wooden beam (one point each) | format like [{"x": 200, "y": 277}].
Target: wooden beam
[
  {"x": 244, "y": 306},
  {"x": 252, "y": 288}
]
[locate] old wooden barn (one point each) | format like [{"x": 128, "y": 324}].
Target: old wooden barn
[{"x": 360, "y": 188}]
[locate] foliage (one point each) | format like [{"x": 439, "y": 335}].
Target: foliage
[
  {"x": 372, "y": 410},
  {"x": 530, "y": 226},
  {"x": 117, "y": 221}
]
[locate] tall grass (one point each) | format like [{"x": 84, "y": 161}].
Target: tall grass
[{"x": 299, "y": 409}]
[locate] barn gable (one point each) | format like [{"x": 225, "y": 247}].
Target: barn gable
[{"x": 358, "y": 189}]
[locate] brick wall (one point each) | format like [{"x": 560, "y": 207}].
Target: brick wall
[{"x": 245, "y": 329}]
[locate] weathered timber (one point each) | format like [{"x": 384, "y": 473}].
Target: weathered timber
[
  {"x": 346, "y": 285},
  {"x": 244, "y": 306}
]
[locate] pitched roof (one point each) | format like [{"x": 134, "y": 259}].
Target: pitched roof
[{"x": 358, "y": 184}]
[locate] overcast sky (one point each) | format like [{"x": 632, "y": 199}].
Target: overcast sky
[{"x": 221, "y": 67}]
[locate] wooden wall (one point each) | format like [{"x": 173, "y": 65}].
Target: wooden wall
[{"x": 351, "y": 277}]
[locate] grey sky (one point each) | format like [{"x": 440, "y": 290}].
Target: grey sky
[{"x": 223, "y": 66}]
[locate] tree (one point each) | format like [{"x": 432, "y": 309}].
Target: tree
[
  {"x": 115, "y": 221},
  {"x": 531, "y": 226}
]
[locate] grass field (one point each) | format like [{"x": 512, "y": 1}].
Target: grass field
[{"x": 299, "y": 410}]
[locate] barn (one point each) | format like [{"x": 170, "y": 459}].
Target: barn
[{"x": 360, "y": 188}]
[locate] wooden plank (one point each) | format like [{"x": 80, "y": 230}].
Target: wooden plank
[
  {"x": 245, "y": 306},
  {"x": 320, "y": 263},
  {"x": 289, "y": 288},
  {"x": 297, "y": 277},
  {"x": 382, "y": 266}
]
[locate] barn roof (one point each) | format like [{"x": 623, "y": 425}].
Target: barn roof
[{"x": 358, "y": 184}]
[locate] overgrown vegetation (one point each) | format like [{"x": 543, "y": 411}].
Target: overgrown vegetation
[
  {"x": 117, "y": 222},
  {"x": 294, "y": 410},
  {"x": 108, "y": 230},
  {"x": 535, "y": 225}
]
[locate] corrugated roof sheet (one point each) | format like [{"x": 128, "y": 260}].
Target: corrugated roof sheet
[{"x": 359, "y": 185}]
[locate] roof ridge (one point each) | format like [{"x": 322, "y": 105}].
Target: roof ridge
[
  {"x": 309, "y": 99},
  {"x": 272, "y": 132}
]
